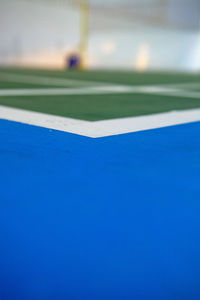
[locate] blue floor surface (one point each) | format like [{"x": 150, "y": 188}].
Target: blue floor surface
[{"x": 108, "y": 218}]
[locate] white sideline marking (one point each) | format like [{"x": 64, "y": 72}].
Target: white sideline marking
[
  {"x": 58, "y": 81},
  {"x": 86, "y": 89},
  {"x": 49, "y": 81},
  {"x": 100, "y": 128},
  {"x": 62, "y": 91},
  {"x": 44, "y": 120},
  {"x": 112, "y": 89},
  {"x": 140, "y": 123},
  {"x": 176, "y": 93}
]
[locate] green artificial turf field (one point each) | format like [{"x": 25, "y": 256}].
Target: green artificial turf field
[{"x": 96, "y": 105}]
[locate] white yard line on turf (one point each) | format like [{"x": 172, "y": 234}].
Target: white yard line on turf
[
  {"x": 62, "y": 91},
  {"x": 100, "y": 128},
  {"x": 49, "y": 81},
  {"x": 154, "y": 90},
  {"x": 173, "y": 92},
  {"x": 67, "y": 82}
]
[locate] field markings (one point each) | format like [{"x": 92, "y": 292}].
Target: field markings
[
  {"x": 43, "y": 80},
  {"x": 84, "y": 87},
  {"x": 62, "y": 91},
  {"x": 59, "y": 81},
  {"x": 98, "y": 128},
  {"x": 154, "y": 90},
  {"x": 103, "y": 128}
]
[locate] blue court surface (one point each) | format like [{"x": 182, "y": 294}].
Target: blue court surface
[{"x": 109, "y": 218}]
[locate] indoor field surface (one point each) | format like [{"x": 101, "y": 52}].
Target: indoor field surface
[{"x": 99, "y": 185}]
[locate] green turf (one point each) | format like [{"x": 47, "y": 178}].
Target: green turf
[
  {"x": 98, "y": 107},
  {"x": 13, "y": 85},
  {"x": 120, "y": 77},
  {"x": 107, "y": 106},
  {"x": 195, "y": 88}
]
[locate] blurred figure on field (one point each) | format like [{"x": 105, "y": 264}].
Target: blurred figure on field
[{"x": 73, "y": 61}]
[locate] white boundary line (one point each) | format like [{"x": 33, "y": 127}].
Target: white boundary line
[
  {"x": 59, "y": 81},
  {"x": 62, "y": 91},
  {"x": 100, "y": 128},
  {"x": 112, "y": 89},
  {"x": 140, "y": 123},
  {"x": 84, "y": 87},
  {"x": 49, "y": 81}
]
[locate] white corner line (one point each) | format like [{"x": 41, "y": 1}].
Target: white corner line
[
  {"x": 44, "y": 120},
  {"x": 141, "y": 123},
  {"x": 99, "y": 129}
]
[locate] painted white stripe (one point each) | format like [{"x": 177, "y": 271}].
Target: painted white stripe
[
  {"x": 140, "y": 123},
  {"x": 154, "y": 90},
  {"x": 49, "y": 81},
  {"x": 100, "y": 128},
  {"x": 168, "y": 90},
  {"x": 164, "y": 91},
  {"x": 175, "y": 90},
  {"x": 58, "y": 81},
  {"x": 44, "y": 120},
  {"x": 175, "y": 93},
  {"x": 61, "y": 91}
]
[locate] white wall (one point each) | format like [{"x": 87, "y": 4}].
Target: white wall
[
  {"x": 36, "y": 34},
  {"x": 147, "y": 48},
  {"x": 121, "y": 38}
]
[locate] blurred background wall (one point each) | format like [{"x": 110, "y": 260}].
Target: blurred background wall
[{"x": 130, "y": 34}]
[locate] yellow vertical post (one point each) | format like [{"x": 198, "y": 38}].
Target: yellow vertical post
[{"x": 84, "y": 32}]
